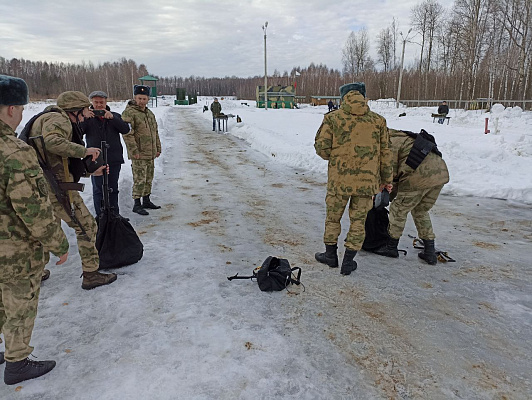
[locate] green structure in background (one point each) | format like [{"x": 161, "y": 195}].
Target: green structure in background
[
  {"x": 278, "y": 96},
  {"x": 149, "y": 78},
  {"x": 181, "y": 98}
]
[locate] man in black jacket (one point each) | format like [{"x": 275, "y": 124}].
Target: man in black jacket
[
  {"x": 443, "y": 110},
  {"x": 108, "y": 126}
]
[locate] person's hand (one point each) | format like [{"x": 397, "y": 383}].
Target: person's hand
[
  {"x": 87, "y": 113},
  {"x": 62, "y": 259},
  {"x": 99, "y": 171},
  {"x": 108, "y": 114},
  {"x": 158, "y": 154},
  {"x": 137, "y": 156},
  {"x": 387, "y": 186},
  {"x": 94, "y": 152}
]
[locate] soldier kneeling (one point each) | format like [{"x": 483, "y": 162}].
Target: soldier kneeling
[{"x": 419, "y": 173}]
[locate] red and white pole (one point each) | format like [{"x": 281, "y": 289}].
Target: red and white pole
[{"x": 486, "y": 130}]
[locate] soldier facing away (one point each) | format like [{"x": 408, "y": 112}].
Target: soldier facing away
[
  {"x": 415, "y": 191},
  {"x": 355, "y": 142},
  {"x": 28, "y": 232},
  {"x": 59, "y": 128},
  {"x": 143, "y": 147}
]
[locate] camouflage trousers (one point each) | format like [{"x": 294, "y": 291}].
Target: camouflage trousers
[
  {"x": 418, "y": 203},
  {"x": 18, "y": 309},
  {"x": 90, "y": 261},
  {"x": 358, "y": 209},
  {"x": 143, "y": 171}
]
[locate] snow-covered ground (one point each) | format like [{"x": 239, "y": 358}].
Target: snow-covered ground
[{"x": 173, "y": 327}]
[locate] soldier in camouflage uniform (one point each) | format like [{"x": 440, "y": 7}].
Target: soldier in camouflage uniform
[
  {"x": 57, "y": 127},
  {"x": 28, "y": 232},
  {"x": 143, "y": 146},
  {"x": 415, "y": 191},
  {"x": 355, "y": 142}
]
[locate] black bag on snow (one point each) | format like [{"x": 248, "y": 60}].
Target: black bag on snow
[
  {"x": 376, "y": 227},
  {"x": 273, "y": 275},
  {"x": 117, "y": 242}
]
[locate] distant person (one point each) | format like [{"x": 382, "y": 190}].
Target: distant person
[
  {"x": 143, "y": 147},
  {"x": 105, "y": 126},
  {"x": 216, "y": 109},
  {"x": 29, "y": 231},
  {"x": 331, "y": 105},
  {"x": 61, "y": 132},
  {"x": 443, "y": 110},
  {"x": 355, "y": 142},
  {"x": 418, "y": 179}
]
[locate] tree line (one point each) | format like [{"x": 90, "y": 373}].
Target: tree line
[{"x": 476, "y": 49}]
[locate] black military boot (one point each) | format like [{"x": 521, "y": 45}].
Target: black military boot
[
  {"x": 19, "y": 371},
  {"x": 329, "y": 257},
  {"x": 389, "y": 249},
  {"x": 137, "y": 208},
  {"x": 45, "y": 274},
  {"x": 2, "y": 357},
  {"x": 146, "y": 203},
  {"x": 429, "y": 252},
  {"x": 94, "y": 279},
  {"x": 348, "y": 263}
]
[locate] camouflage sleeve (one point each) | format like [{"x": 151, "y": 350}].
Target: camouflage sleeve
[
  {"x": 386, "y": 170},
  {"x": 126, "y": 116},
  {"x": 323, "y": 140},
  {"x": 55, "y": 134},
  {"x": 157, "y": 140},
  {"x": 129, "y": 138},
  {"x": 28, "y": 193}
]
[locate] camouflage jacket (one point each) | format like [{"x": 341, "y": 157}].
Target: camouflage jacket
[
  {"x": 143, "y": 139},
  {"x": 356, "y": 143},
  {"x": 216, "y": 108},
  {"x": 430, "y": 173},
  {"x": 56, "y": 129},
  {"x": 28, "y": 228}
]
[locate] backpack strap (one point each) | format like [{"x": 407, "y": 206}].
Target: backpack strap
[
  {"x": 230, "y": 278},
  {"x": 297, "y": 280}
]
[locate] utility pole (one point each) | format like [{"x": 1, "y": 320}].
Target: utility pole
[
  {"x": 401, "y": 70},
  {"x": 265, "y": 69}
]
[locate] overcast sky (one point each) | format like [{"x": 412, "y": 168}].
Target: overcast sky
[{"x": 195, "y": 37}]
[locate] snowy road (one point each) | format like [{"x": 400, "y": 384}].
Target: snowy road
[{"x": 173, "y": 326}]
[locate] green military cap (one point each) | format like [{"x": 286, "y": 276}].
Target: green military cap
[
  {"x": 72, "y": 101},
  {"x": 360, "y": 87}
]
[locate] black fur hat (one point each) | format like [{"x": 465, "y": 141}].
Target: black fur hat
[
  {"x": 13, "y": 91},
  {"x": 360, "y": 87},
  {"x": 141, "y": 89}
]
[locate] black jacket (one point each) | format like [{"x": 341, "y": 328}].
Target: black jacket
[
  {"x": 97, "y": 129},
  {"x": 443, "y": 109}
]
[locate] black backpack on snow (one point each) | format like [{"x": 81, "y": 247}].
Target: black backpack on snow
[{"x": 273, "y": 275}]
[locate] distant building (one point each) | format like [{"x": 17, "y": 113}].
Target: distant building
[
  {"x": 323, "y": 100},
  {"x": 278, "y": 96}
]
